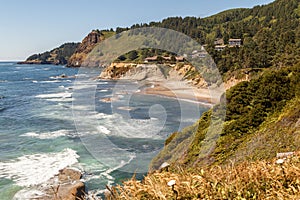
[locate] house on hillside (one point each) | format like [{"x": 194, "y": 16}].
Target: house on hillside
[
  {"x": 235, "y": 42},
  {"x": 167, "y": 58},
  {"x": 220, "y": 47},
  {"x": 219, "y": 41},
  {"x": 179, "y": 58},
  {"x": 151, "y": 59}
]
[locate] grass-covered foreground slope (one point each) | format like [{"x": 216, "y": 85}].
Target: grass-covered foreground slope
[
  {"x": 262, "y": 118},
  {"x": 247, "y": 180}
]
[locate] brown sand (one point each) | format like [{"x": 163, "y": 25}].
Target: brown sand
[{"x": 184, "y": 91}]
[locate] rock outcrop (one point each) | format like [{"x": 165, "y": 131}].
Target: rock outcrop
[
  {"x": 66, "y": 185},
  {"x": 86, "y": 46},
  {"x": 69, "y": 186},
  {"x": 154, "y": 72},
  {"x": 57, "y": 56}
]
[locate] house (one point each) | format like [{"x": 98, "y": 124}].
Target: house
[
  {"x": 235, "y": 42},
  {"x": 151, "y": 59},
  {"x": 220, "y": 47},
  {"x": 219, "y": 41},
  {"x": 179, "y": 58},
  {"x": 167, "y": 58}
]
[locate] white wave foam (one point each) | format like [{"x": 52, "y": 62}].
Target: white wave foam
[
  {"x": 50, "y": 135},
  {"x": 107, "y": 175},
  {"x": 102, "y": 83},
  {"x": 60, "y": 99},
  {"x": 55, "y": 81},
  {"x": 28, "y": 194},
  {"x": 55, "y": 95},
  {"x": 84, "y": 86},
  {"x": 35, "y": 169},
  {"x": 104, "y": 130}
]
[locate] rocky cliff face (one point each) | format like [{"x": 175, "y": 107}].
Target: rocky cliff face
[
  {"x": 86, "y": 46},
  {"x": 154, "y": 72}
]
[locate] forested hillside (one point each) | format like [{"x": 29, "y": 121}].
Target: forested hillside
[
  {"x": 57, "y": 56},
  {"x": 269, "y": 35}
]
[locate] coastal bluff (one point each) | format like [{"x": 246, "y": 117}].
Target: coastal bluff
[
  {"x": 85, "y": 47},
  {"x": 154, "y": 72}
]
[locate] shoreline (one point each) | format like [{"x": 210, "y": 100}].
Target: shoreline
[{"x": 182, "y": 91}]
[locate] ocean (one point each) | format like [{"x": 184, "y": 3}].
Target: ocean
[{"x": 52, "y": 117}]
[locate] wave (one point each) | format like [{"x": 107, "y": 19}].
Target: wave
[
  {"x": 28, "y": 194},
  {"x": 107, "y": 175},
  {"x": 55, "y": 81},
  {"x": 60, "y": 99},
  {"x": 104, "y": 130},
  {"x": 2, "y": 108},
  {"x": 30, "y": 170},
  {"x": 102, "y": 83},
  {"x": 55, "y": 95},
  {"x": 50, "y": 135}
]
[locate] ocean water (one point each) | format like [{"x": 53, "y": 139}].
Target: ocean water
[{"x": 48, "y": 123}]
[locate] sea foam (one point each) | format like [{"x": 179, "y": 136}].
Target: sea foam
[
  {"x": 48, "y": 135},
  {"x": 55, "y": 95},
  {"x": 30, "y": 170}
]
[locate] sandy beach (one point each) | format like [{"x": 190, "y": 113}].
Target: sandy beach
[{"x": 183, "y": 91}]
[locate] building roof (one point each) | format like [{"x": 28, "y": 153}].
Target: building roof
[
  {"x": 154, "y": 58},
  {"x": 179, "y": 58},
  {"x": 220, "y": 46},
  {"x": 235, "y": 40}
]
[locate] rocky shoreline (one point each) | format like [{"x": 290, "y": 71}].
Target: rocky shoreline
[{"x": 66, "y": 185}]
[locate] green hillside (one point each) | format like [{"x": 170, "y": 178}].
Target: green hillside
[
  {"x": 266, "y": 107},
  {"x": 269, "y": 35},
  {"x": 57, "y": 56},
  {"x": 262, "y": 115}
]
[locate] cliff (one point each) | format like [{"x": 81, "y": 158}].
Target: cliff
[
  {"x": 85, "y": 47},
  {"x": 57, "y": 56},
  {"x": 154, "y": 72}
]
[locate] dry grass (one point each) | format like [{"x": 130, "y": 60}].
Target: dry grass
[{"x": 247, "y": 180}]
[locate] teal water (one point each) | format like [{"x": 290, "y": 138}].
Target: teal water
[{"x": 38, "y": 135}]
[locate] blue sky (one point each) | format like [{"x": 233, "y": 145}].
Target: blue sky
[{"x": 34, "y": 26}]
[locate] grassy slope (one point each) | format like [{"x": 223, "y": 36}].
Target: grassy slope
[
  {"x": 279, "y": 133},
  {"x": 247, "y": 180},
  {"x": 262, "y": 118},
  {"x": 247, "y": 171}
]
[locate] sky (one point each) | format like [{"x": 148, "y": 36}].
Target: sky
[{"x": 35, "y": 26}]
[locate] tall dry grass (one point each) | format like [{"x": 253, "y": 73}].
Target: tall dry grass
[{"x": 247, "y": 180}]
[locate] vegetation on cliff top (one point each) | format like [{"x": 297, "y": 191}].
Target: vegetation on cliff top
[{"x": 57, "y": 56}]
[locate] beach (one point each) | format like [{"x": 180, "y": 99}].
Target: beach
[{"x": 183, "y": 91}]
